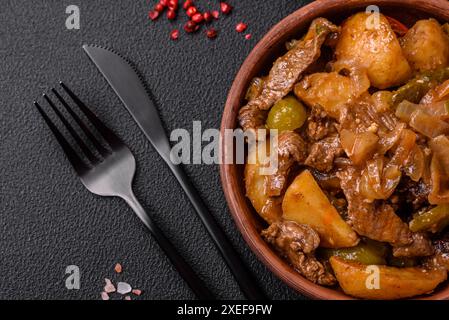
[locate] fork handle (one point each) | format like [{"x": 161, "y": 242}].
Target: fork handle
[
  {"x": 245, "y": 279},
  {"x": 184, "y": 269}
]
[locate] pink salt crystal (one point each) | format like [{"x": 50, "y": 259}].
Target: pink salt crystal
[
  {"x": 104, "y": 296},
  {"x": 137, "y": 292},
  {"x": 123, "y": 288},
  {"x": 109, "y": 287},
  {"x": 118, "y": 268}
]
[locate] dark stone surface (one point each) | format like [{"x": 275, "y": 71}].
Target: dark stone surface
[{"x": 48, "y": 220}]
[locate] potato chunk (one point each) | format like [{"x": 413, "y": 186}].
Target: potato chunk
[
  {"x": 375, "y": 48},
  {"x": 426, "y": 46},
  {"x": 306, "y": 203},
  {"x": 394, "y": 283},
  {"x": 330, "y": 91},
  {"x": 269, "y": 208}
]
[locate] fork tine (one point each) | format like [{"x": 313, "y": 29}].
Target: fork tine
[
  {"x": 73, "y": 157},
  {"x": 102, "y": 150},
  {"x": 72, "y": 131},
  {"x": 107, "y": 133}
]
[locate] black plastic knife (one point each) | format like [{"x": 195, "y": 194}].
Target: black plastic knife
[{"x": 126, "y": 83}]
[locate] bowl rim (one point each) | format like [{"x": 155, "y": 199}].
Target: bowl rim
[{"x": 234, "y": 195}]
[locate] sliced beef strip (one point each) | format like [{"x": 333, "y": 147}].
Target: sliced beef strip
[
  {"x": 442, "y": 245},
  {"x": 322, "y": 154},
  {"x": 297, "y": 244},
  {"x": 291, "y": 149},
  {"x": 319, "y": 124},
  {"x": 252, "y": 118},
  {"x": 441, "y": 257},
  {"x": 361, "y": 114},
  {"x": 287, "y": 70},
  {"x": 377, "y": 222},
  {"x": 420, "y": 247}
]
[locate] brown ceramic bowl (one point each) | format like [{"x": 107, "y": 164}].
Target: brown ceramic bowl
[{"x": 258, "y": 62}]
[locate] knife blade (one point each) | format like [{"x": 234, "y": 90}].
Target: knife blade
[{"x": 125, "y": 81}]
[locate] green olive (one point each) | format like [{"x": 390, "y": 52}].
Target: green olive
[
  {"x": 367, "y": 252},
  {"x": 287, "y": 114}
]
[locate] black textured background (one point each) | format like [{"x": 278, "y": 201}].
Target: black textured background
[{"x": 47, "y": 219}]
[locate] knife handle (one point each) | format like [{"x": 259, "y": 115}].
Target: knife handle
[
  {"x": 245, "y": 279},
  {"x": 185, "y": 270}
]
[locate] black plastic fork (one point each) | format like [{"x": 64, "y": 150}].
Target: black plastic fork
[{"x": 109, "y": 171}]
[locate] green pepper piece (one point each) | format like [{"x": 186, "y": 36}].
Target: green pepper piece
[
  {"x": 367, "y": 252},
  {"x": 402, "y": 262},
  {"x": 417, "y": 88},
  {"x": 434, "y": 220}
]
